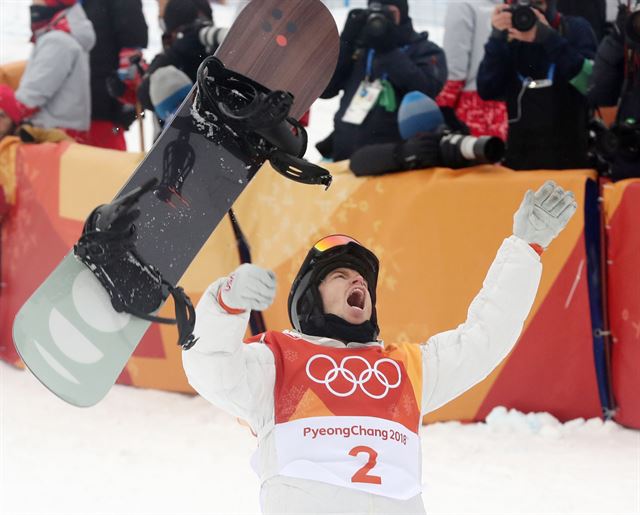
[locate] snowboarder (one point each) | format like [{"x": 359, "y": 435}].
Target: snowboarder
[{"x": 336, "y": 410}]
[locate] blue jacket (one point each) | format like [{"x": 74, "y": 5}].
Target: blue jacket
[
  {"x": 419, "y": 65},
  {"x": 548, "y": 126}
]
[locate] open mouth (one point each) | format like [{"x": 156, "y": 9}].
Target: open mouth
[{"x": 356, "y": 298}]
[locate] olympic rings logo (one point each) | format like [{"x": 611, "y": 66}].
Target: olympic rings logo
[{"x": 348, "y": 375}]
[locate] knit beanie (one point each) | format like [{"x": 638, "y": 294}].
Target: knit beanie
[
  {"x": 178, "y": 13},
  {"x": 402, "y": 5},
  {"x": 418, "y": 113},
  {"x": 9, "y": 104},
  {"x": 168, "y": 88}
]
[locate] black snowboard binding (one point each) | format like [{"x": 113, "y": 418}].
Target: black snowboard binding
[
  {"x": 107, "y": 248},
  {"x": 258, "y": 119}
]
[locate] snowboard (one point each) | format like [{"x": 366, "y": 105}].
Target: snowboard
[{"x": 68, "y": 333}]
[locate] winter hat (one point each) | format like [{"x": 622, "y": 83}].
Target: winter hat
[
  {"x": 168, "y": 88},
  {"x": 402, "y": 5},
  {"x": 9, "y": 104},
  {"x": 418, "y": 113},
  {"x": 59, "y": 3},
  {"x": 183, "y": 12}
]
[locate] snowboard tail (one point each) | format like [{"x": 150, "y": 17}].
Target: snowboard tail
[{"x": 70, "y": 333}]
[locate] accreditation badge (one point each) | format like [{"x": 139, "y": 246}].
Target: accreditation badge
[{"x": 362, "y": 102}]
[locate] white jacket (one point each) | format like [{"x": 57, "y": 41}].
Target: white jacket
[
  {"x": 239, "y": 378},
  {"x": 57, "y": 76},
  {"x": 467, "y": 28}
]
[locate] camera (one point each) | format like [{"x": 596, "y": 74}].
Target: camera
[
  {"x": 376, "y": 20},
  {"x": 459, "y": 151},
  {"x": 622, "y": 140},
  {"x": 523, "y": 18}
]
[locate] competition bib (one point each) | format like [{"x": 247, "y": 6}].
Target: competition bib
[{"x": 349, "y": 417}]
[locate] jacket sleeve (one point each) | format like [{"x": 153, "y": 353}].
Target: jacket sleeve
[
  {"x": 424, "y": 70},
  {"x": 495, "y": 69},
  {"x": 570, "y": 52},
  {"x": 129, "y": 25},
  {"x": 342, "y": 72},
  {"x": 48, "y": 68},
  {"x": 456, "y": 360},
  {"x": 459, "y": 27},
  {"x": 607, "y": 79},
  {"x": 237, "y": 377}
]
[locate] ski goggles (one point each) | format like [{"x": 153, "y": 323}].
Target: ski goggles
[{"x": 334, "y": 240}]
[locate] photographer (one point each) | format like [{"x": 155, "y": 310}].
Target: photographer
[
  {"x": 428, "y": 141},
  {"x": 189, "y": 36},
  {"x": 616, "y": 81},
  {"x": 541, "y": 72},
  {"x": 381, "y": 59}
]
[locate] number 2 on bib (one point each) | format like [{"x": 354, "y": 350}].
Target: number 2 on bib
[{"x": 362, "y": 475}]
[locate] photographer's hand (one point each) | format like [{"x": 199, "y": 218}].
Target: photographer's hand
[{"x": 501, "y": 18}]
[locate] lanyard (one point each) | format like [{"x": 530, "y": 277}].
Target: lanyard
[
  {"x": 528, "y": 82},
  {"x": 370, "y": 56}
]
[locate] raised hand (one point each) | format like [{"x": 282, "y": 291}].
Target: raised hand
[
  {"x": 248, "y": 287},
  {"x": 543, "y": 214}
]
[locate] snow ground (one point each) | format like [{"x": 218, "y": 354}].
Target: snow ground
[{"x": 144, "y": 452}]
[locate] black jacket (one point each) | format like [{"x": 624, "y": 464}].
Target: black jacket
[
  {"x": 547, "y": 126},
  {"x": 185, "y": 53},
  {"x": 594, "y": 11},
  {"x": 420, "y": 65},
  {"x": 118, "y": 24}
]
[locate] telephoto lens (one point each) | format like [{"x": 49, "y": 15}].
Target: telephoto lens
[{"x": 459, "y": 151}]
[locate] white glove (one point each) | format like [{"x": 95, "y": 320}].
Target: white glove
[
  {"x": 543, "y": 214},
  {"x": 249, "y": 287}
]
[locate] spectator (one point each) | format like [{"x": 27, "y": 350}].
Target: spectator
[
  {"x": 541, "y": 74},
  {"x": 379, "y": 63},
  {"x": 189, "y": 36},
  {"x": 616, "y": 82},
  {"x": 121, "y": 34},
  {"x": 594, "y": 11},
  {"x": 336, "y": 410},
  {"x": 54, "y": 90},
  {"x": 466, "y": 29},
  {"x": 10, "y": 118}
]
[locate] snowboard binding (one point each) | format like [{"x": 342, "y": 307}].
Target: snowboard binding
[
  {"x": 107, "y": 248},
  {"x": 258, "y": 118}
]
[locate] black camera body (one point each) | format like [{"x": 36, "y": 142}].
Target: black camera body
[
  {"x": 610, "y": 145},
  {"x": 523, "y": 17},
  {"x": 376, "y": 20}
]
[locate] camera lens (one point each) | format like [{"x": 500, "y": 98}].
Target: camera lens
[
  {"x": 523, "y": 18},
  {"x": 377, "y": 24}
]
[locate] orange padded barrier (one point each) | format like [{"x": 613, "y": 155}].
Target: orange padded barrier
[{"x": 435, "y": 231}]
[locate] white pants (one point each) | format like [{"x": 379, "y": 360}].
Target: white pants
[{"x": 287, "y": 495}]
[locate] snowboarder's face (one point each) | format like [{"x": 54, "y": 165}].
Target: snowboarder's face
[{"x": 344, "y": 293}]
